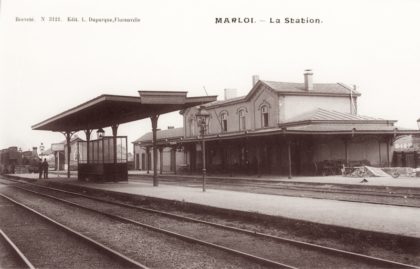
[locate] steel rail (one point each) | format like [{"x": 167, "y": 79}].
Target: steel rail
[
  {"x": 254, "y": 258},
  {"x": 318, "y": 190},
  {"x": 87, "y": 239},
  {"x": 249, "y": 232},
  {"x": 16, "y": 250}
]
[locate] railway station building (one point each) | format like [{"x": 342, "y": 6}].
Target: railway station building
[
  {"x": 279, "y": 128},
  {"x": 59, "y": 151}
]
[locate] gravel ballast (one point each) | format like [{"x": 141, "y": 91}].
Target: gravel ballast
[
  {"x": 150, "y": 248},
  {"x": 383, "y": 246},
  {"x": 270, "y": 249},
  {"x": 47, "y": 246}
]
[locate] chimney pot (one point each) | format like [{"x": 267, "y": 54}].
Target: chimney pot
[
  {"x": 170, "y": 127},
  {"x": 309, "y": 86}
]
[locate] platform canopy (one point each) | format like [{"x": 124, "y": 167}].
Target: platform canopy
[{"x": 107, "y": 110}]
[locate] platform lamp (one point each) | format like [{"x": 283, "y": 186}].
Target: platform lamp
[
  {"x": 100, "y": 133},
  {"x": 41, "y": 150},
  {"x": 203, "y": 117}
]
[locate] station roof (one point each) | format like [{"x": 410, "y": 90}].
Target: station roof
[
  {"x": 320, "y": 115},
  {"x": 107, "y": 110},
  {"x": 169, "y": 134}
]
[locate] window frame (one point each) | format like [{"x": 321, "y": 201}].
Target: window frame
[
  {"x": 242, "y": 120},
  {"x": 264, "y": 116},
  {"x": 223, "y": 121}
]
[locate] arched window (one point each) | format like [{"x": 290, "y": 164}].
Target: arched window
[
  {"x": 223, "y": 118},
  {"x": 264, "y": 116},
  {"x": 242, "y": 125}
]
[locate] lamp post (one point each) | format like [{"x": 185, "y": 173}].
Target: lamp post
[
  {"x": 416, "y": 138},
  {"x": 203, "y": 117},
  {"x": 41, "y": 150}
]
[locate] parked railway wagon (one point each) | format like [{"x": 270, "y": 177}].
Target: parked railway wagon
[{"x": 13, "y": 161}]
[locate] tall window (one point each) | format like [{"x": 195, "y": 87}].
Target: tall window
[
  {"x": 224, "y": 122},
  {"x": 192, "y": 127},
  {"x": 264, "y": 116},
  {"x": 242, "y": 120}
]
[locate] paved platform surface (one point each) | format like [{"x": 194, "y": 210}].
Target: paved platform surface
[
  {"x": 405, "y": 182},
  {"x": 380, "y": 218},
  {"x": 409, "y": 182}
]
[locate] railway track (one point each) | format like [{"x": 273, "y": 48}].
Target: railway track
[
  {"x": 299, "y": 191},
  {"x": 11, "y": 256},
  {"x": 82, "y": 247},
  {"x": 331, "y": 256}
]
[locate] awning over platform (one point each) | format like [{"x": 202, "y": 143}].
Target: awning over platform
[{"x": 107, "y": 110}]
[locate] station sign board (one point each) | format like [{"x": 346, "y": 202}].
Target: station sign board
[{"x": 57, "y": 147}]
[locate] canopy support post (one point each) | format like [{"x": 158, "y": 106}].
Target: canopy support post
[
  {"x": 174, "y": 160},
  {"x": 68, "y": 136},
  {"x": 147, "y": 160},
  {"x": 154, "y": 120},
  {"x": 289, "y": 157},
  {"x": 114, "y": 140},
  {"x": 87, "y": 133},
  {"x": 161, "y": 159},
  {"x": 388, "y": 142},
  {"x": 346, "y": 151}
]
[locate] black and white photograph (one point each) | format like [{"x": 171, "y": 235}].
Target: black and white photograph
[{"x": 209, "y": 134}]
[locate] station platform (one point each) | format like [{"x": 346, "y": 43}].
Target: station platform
[
  {"x": 402, "y": 181},
  {"x": 396, "y": 220}
]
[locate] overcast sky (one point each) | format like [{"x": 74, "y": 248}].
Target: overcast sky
[{"x": 46, "y": 67}]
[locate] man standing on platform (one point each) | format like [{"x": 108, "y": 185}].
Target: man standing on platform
[
  {"x": 45, "y": 168},
  {"x": 40, "y": 168}
]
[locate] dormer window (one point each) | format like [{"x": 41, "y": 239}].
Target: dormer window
[
  {"x": 264, "y": 116},
  {"x": 242, "y": 121},
  {"x": 223, "y": 118}
]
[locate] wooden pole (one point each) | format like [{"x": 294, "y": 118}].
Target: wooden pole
[
  {"x": 289, "y": 157},
  {"x": 380, "y": 157},
  {"x": 58, "y": 160},
  {"x": 346, "y": 151},
  {"x": 387, "y": 152},
  {"x": 174, "y": 150},
  {"x": 161, "y": 159},
  {"x": 147, "y": 159}
]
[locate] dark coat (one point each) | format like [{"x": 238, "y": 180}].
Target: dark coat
[{"x": 45, "y": 166}]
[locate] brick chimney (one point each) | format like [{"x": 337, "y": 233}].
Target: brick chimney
[
  {"x": 255, "y": 79},
  {"x": 230, "y": 93},
  {"x": 309, "y": 86},
  {"x": 34, "y": 151}
]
